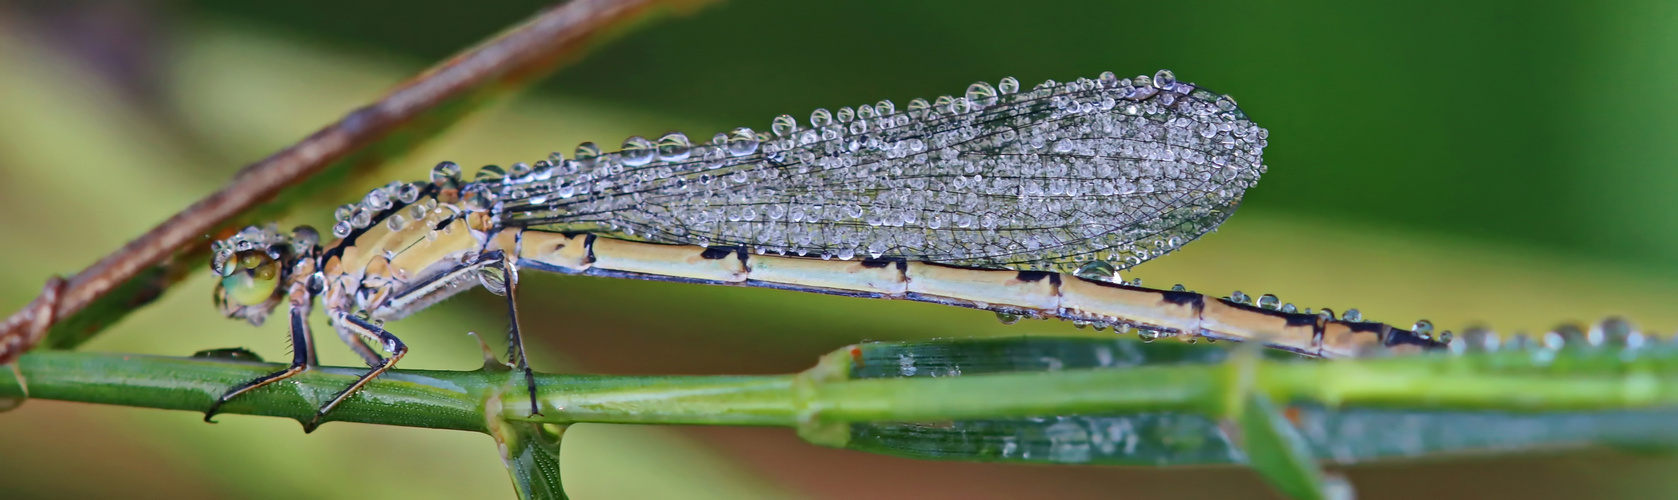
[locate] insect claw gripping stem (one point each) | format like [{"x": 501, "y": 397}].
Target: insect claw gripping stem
[
  {"x": 392, "y": 344},
  {"x": 302, "y": 356}
]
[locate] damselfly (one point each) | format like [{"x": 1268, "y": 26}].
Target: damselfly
[{"x": 1026, "y": 203}]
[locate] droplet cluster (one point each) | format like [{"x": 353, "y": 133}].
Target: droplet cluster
[
  {"x": 352, "y": 216},
  {"x": 1054, "y": 177},
  {"x": 1613, "y": 332},
  {"x": 265, "y": 238}
]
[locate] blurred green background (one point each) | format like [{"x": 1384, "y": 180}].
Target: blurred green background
[{"x": 1501, "y": 162}]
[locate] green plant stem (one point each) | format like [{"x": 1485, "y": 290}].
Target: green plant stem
[{"x": 456, "y": 399}]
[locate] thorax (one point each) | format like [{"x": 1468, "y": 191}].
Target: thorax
[{"x": 409, "y": 257}]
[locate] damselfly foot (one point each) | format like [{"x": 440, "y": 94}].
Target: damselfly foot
[
  {"x": 303, "y": 355},
  {"x": 379, "y": 365}
]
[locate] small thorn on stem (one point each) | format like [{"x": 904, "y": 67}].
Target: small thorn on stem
[{"x": 490, "y": 360}]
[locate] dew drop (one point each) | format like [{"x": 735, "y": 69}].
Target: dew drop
[
  {"x": 494, "y": 279},
  {"x": 1477, "y": 339},
  {"x": 1179, "y": 288},
  {"x": 1289, "y": 308},
  {"x": 1352, "y": 315},
  {"x": 586, "y": 154},
  {"x": 877, "y": 248},
  {"x": 342, "y": 229},
  {"x": 1008, "y": 318},
  {"x": 981, "y": 95},
  {"x": 445, "y": 173},
  {"x": 820, "y": 118},
  {"x": 1108, "y": 79},
  {"x": 783, "y": 126},
  {"x": 1240, "y": 298},
  {"x": 408, "y": 193},
  {"x": 1226, "y": 103},
  {"x": 674, "y": 146},
  {"x": 637, "y": 151},
  {"x": 396, "y": 222},
  {"x": 304, "y": 237},
  {"x": 490, "y": 173},
  {"x": 1150, "y": 334},
  {"x": 742, "y": 141},
  {"x": 344, "y": 212},
  {"x": 1269, "y": 301},
  {"x": 1423, "y": 328},
  {"x": 1619, "y": 332},
  {"x": 1571, "y": 335},
  {"x": 377, "y": 199},
  {"x": 1008, "y": 85},
  {"x": 1099, "y": 270},
  {"x": 1326, "y": 314},
  {"x": 885, "y": 108},
  {"x": 519, "y": 169},
  {"x": 1163, "y": 79},
  {"x": 845, "y": 114},
  {"x": 363, "y": 217},
  {"x": 944, "y": 104},
  {"x": 918, "y": 105},
  {"x": 1520, "y": 341}
]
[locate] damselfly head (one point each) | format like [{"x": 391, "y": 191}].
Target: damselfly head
[{"x": 252, "y": 264}]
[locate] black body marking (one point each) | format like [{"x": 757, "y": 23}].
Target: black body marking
[
  {"x": 1030, "y": 276},
  {"x": 716, "y": 253},
  {"x": 882, "y": 262}
]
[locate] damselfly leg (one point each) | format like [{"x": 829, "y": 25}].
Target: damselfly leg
[
  {"x": 302, "y": 353},
  {"x": 372, "y": 332},
  {"x": 503, "y": 281}
]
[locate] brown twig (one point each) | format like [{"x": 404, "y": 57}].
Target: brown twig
[{"x": 506, "y": 62}]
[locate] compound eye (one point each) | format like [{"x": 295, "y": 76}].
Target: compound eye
[{"x": 253, "y": 280}]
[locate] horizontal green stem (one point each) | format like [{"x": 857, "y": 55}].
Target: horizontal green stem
[
  {"x": 700, "y": 400},
  {"x": 1015, "y": 394},
  {"x": 456, "y": 399},
  {"x": 1474, "y": 383},
  {"x": 435, "y": 399}
]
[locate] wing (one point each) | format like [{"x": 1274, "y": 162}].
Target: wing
[{"x": 1055, "y": 177}]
